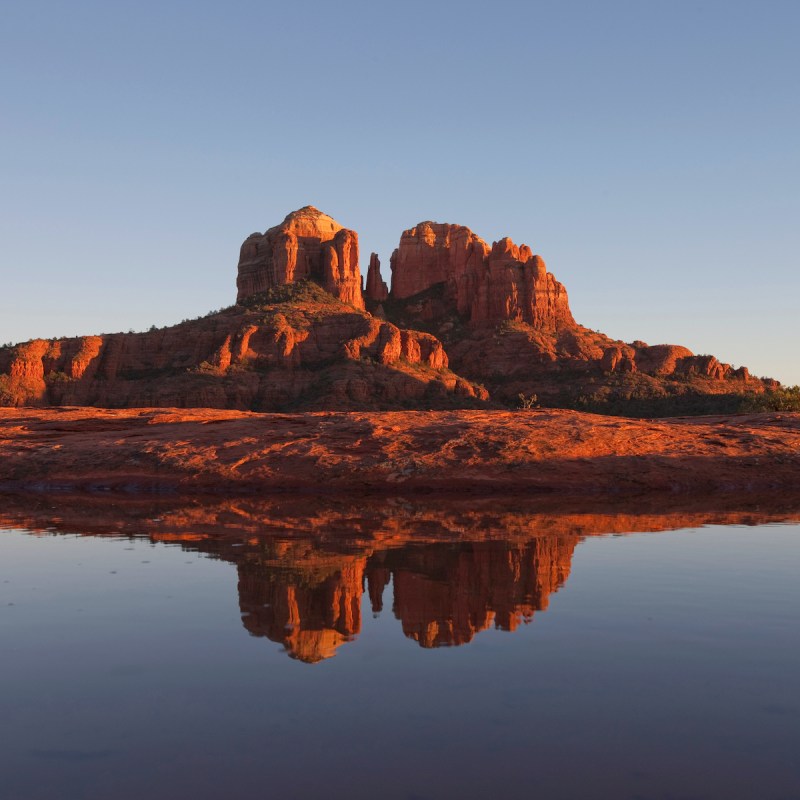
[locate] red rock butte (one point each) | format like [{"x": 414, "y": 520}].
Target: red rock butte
[
  {"x": 307, "y": 245},
  {"x": 485, "y": 284},
  {"x": 465, "y": 324}
]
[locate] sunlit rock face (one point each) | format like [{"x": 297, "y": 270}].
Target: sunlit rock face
[
  {"x": 321, "y": 355},
  {"x": 306, "y": 245},
  {"x": 466, "y": 324},
  {"x": 376, "y": 289},
  {"x": 485, "y": 284}
]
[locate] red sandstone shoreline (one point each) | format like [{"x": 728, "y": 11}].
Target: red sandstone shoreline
[{"x": 211, "y": 451}]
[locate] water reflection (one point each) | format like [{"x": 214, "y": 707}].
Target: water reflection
[
  {"x": 449, "y": 570},
  {"x": 443, "y": 593}
]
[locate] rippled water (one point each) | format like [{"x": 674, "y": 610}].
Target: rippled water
[{"x": 400, "y": 652}]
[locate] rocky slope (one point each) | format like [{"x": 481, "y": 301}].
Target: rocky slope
[
  {"x": 464, "y": 324},
  {"x": 505, "y": 321},
  {"x": 294, "y": 347}
]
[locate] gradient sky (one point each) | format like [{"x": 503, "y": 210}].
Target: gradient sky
[{"x": 649, "y": 151}]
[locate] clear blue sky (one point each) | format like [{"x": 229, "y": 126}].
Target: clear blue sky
[{"x": 649, "y": 151}]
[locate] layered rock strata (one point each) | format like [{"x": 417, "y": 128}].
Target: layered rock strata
[
  {"x": 306, "y": 245},
  {"x": 311, "y": 351},
  {"x": 483, "y": 284},
  {"x": 300, "y": 337}
]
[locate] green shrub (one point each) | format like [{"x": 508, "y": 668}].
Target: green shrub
[
  {"x": 785, "y": 398},
  {"x": 305, "y": 291},
  {"x": 6, "y": 395}
]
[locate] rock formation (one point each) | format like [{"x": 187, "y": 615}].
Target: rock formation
[
  {"x": 484, "y": 284},
  {"x": 307, "y": 351},
  {"x": 306, "y": 245},
  {"x": 505, "y": 322},
  {"x": 376, "y": 290},
  {"x": 465, "y": 323}
]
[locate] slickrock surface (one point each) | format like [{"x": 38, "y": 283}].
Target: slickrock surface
[{"x": 393, "y": 452}]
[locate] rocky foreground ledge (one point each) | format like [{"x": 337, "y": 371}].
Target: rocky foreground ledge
[{"x": 233, "y": 452}]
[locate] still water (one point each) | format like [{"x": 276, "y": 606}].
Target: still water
[{"x": 406, "y": 652}]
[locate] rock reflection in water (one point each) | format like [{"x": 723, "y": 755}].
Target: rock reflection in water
[
  {"x": 310, "y": 611},
  {"x": 443, "y": 593},
  {"x": 454, "y": 569}
]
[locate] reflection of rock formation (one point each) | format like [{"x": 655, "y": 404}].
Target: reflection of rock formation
[
  {"x": 456, "y": 566},
  {"x": 311, "y": 617},
  {"x": 444, "y": 595}
]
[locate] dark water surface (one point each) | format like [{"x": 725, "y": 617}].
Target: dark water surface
[{"x": 402, "y": 653}]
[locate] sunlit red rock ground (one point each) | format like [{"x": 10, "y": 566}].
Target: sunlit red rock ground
[{"x": 204, "y": 450}]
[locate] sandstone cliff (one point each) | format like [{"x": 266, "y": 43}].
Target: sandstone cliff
[
  {"x": 482, "y": 283},
  {"x": 464, "y": 323},
  {"x": 306, "y": 245},
  {"x": 505, "y": 322},
  {"x": 376, "y": 289}
]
